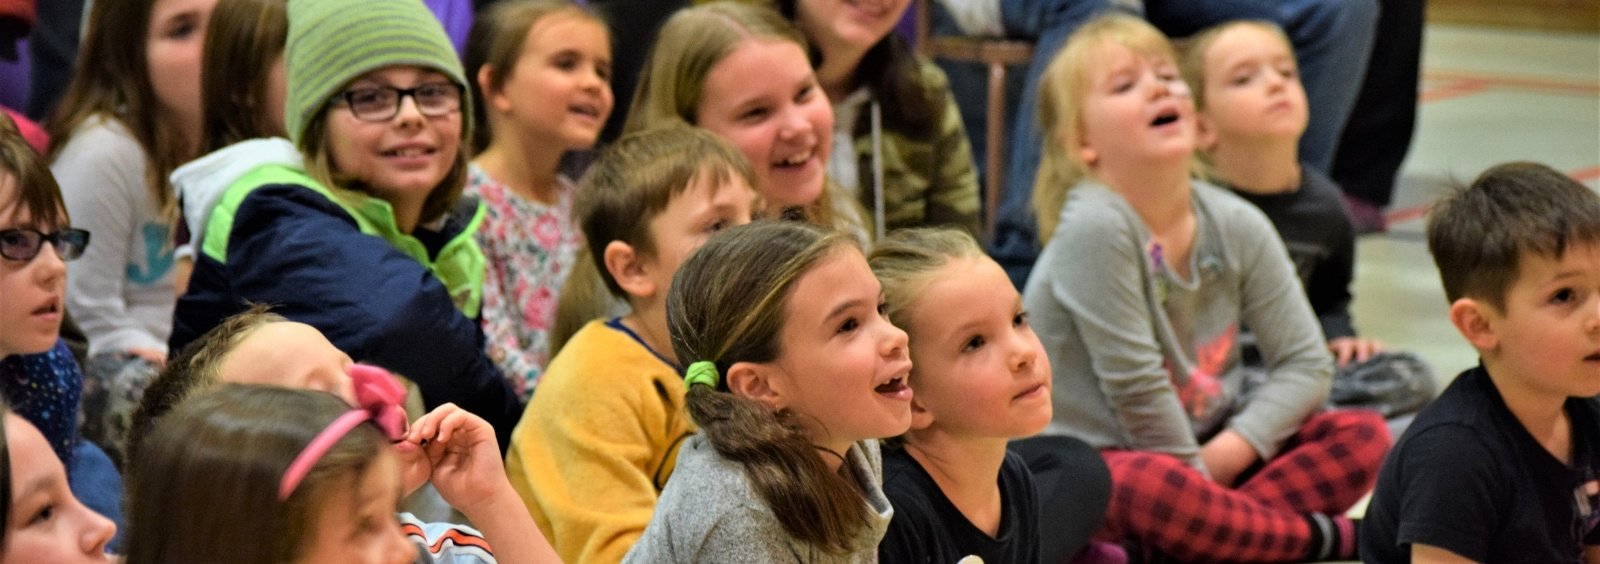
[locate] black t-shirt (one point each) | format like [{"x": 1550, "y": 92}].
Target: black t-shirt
[
  {"x": 927, "y": 527},
  {"x": 1469, "y": 478},
  {"x": 1321, "y": 242}
]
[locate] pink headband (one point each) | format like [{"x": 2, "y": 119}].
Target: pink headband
[{"x": 378, "y": 399}]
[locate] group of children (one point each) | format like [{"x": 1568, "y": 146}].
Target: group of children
[{"x": 810, "y": 387}]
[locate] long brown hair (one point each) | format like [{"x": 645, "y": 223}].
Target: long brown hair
[
  {"x": 113, "y": 83},
  {"x": 726, "y": 306},
  {"x": 891, "y": 71},
  {"x": 220, "y": 456},
  {"x": 496, "y": 42},
  {"x": 243, "y": 40},
  {"x": 689, "y": 45}
]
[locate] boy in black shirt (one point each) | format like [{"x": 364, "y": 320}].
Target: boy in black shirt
[{"x": 1505, "y": 465}]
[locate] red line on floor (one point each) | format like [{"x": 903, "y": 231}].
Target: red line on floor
[
  {"x": 1517, "y": 82},
  {"x": 1413, "y": 212},
  {"x": 1451, "y": 89}
]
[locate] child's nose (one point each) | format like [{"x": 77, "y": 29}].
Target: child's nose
[
  {"x": 48, "y": 266},
  {"x": 1023, "y": 353},
  {"x": 97, "y": 532},
  {"x": 793, "y": 124},
  {"x": 895, "y": 341}
]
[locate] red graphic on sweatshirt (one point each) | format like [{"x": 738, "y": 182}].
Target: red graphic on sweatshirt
[{"x": 1204, "y": 384}]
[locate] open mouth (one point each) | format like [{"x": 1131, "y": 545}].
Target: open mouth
[
  {"x": 1165, "y": 118},
  {"x": 410, "y": 152},
  {"x": 798, "y": 159},
  {"x": 51, "y": 308},
  {"x": 586, "y": 110},
  {"x": 870, "y": 8},
  {"x": 1592, "y": 358},
  {"x": 893, "y": 387}
]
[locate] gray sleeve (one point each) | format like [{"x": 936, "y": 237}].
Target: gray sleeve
[
  {"x": 747, "y": 534},
  {"x": 1299, "y": 366},
  {"x": 1101, "y": 280},
  {"x": 101, "y": 173}
]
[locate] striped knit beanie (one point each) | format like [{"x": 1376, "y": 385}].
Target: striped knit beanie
[{"x": 333, "y": 42}]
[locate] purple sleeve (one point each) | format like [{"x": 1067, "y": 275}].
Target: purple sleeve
[{"x": 456, "y": 17}]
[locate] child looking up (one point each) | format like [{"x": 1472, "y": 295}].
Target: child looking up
[
  {"x": 543, "y": 71},
  {"x": 981, "y": 379},
  {"x": 597, "y": 443},
  {"x": 40, "y": 520},
  {"x": 793, "y": 373},
  {"x": 1143, "y": 345},
  {"x": 1505, "y": 465},
  {"x": 370, "y": 242}
]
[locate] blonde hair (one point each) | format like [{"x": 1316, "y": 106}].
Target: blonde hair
[
  {"x": 1061, "y": 92},
  {"x": 1193, "y": 61},
  {"x": 689, "y": 45},
  {"x": 906, "y": 260}
]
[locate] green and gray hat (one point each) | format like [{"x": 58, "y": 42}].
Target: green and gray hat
[{"x": 333, "y": 42}]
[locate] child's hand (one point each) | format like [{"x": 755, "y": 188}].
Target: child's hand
[
  {"x": 1226, "y": 456},
  {"x": 1346, "y": 349},
  {"x": 465, "y": 459},
  {"x": 152, "y": 356}
]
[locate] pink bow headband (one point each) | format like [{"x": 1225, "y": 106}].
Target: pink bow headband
[{"x": 378, "y": 399}]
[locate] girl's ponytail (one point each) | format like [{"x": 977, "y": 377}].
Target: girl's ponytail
[{"x": 727, "y": 306}]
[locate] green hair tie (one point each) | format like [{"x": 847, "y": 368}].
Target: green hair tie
[{"x": 702, "y": 372}]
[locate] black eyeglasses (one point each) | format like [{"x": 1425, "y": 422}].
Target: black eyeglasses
[
  {"x": 382, "y": 103},
  {"x": 24, "y": 244}
]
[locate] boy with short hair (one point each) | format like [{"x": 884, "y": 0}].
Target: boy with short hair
[
  {"x": 1505, "y": 465},
  {"x": 600, "y": 436}
]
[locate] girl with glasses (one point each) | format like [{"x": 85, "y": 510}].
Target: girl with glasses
[{"x": 368, "y": 241}]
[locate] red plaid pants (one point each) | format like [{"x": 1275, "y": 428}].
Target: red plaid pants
[{"x": 1163, "y": 503}]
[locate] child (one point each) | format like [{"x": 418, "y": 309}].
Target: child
[
  {"x": 543, "y": 80},
  {"x": 1505, "y": 465},
  {"x": 242, "y": 90},
  {"x": 130, "y": 116},
  {"x": 597, "y": 443},
  {"x": 368, "y": 243},
  {"x": 1252, "y": 111},
  {"x": 40, "y": 520},
  {"x": 901, "y": 146},
  {"x": 981, "y": 378},
  {"x": 741, "y": 72},
  {"x": 1143, "y": 345},
  {"x": 319, "y": 484},
  {"x": 793, "y": 373}
]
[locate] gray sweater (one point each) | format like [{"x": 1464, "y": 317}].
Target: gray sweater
[
  {"x": 1147, "y": 360},
  {"x": 710, "y": 513}
]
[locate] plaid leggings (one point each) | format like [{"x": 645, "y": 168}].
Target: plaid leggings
[{"x": 1165, "y": 504}]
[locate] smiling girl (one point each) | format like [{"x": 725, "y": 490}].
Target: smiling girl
[
  {"x": 369, "y": 243},
  {"x": 794, "y": 373},
  {"x": 543, "y": 78}
]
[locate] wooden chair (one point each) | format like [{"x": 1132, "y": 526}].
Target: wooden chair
[{"x": 997, "y": 54}]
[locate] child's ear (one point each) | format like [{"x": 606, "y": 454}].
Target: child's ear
[
  {"x": 757, "y": 382},
  {"x": 493, "y": 97},
  {"x": 921, "y": 418},
  {"x": 1086, "y": 154},
  {"x": 1205, "y": 133},
  {"x": 626, "y": 265},
  {"x": 1474, "y": 320}
]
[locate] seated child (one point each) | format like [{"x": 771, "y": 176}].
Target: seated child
[
  {"x": 981, "y": 378},
  {"x": 258, "y": 347},
  {"x": 40, "y": 519},
  {"x": 1505, "y": 465},
  {"x": 1252, "y": 111},
  {"x": 1146, "y": 278},
  {"x": 597, "y": 442},
  {"x": 793, "y": 374}
]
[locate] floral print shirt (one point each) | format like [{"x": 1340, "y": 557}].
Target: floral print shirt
[{"x": 530, "y": 247}]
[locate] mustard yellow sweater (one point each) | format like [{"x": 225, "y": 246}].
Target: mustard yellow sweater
[{"x": 597, "y": 442}]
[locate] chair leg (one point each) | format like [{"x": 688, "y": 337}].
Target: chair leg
[{"x": 994, "y": 152}]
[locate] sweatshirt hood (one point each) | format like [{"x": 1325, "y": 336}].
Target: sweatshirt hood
[{"x": 201, "y": 183}]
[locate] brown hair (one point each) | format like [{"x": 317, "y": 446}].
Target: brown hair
[
  {"x": 905, "y": 260},
  {"x": 220, "y": 456},
  {"x": 113, "y": 82},
  {"x": 726, "y": 306},
  {"x": 1193, "y": 61},
  {"x": 193, "y": 371},
  {"x": 688, "y": 46},
  {"x": 630, "y": 183},
  {"x": 1479, "y": 234},
  {"x": 243, "y": 40},
  {"x": 37, "y": 190},
  {"x": 1061, "y": 92},
  {"x": 496, "y": 41}
]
